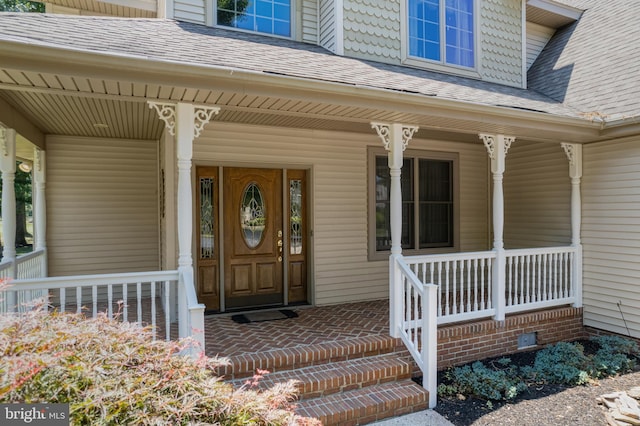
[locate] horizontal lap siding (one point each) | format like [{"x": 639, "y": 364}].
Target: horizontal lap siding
[
  {"x": 309, "y": 24},
  {"x": 537, "y": 38},
  {"x": 537, "y": 196},
  {"x": 342, "y": 272},
  {"x": 190, "y": 10},
  {"x": 102, "y": 205},
  {"x": 611, "y": 236}
]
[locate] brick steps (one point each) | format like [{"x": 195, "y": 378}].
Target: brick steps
[
  {"x": 366, "y": 405},
  {"x": 343, "y": 383}
]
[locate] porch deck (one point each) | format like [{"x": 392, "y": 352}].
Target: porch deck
[{"x": 314, "y": 325}]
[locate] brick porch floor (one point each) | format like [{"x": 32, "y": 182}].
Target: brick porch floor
[{"x": 315, "y": 325}]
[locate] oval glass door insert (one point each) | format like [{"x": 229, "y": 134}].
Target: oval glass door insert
[{"x": 252, "y": 215}]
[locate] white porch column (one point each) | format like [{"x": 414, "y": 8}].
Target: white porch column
[
  {"x": 8, "y": 168},
  {"x": 40, "y": 205},
  {"x": 395, "y": 138},
  {"x": 574, "y": 155},
  {"x": 497, "y": 147},
  {"x": 185, "y": 121}
]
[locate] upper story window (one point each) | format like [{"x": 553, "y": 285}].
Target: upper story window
[
  {"x": 442, "y": 31},
  {"x": 262, "y": 16}
]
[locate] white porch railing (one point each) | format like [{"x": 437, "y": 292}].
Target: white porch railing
[
  {"x": 30, "y": 265},
  {"x": 440, "y": 289},
  {"x": 463, "y": 280},
  {"x": 419, "y": 330},
  {"x": 148, "y": 298},
  {"x": 539, "y": 278}
]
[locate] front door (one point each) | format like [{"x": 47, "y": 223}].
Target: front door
[
  {"x": 252, "y": 237},
  {"x": 253, "y": 241}
]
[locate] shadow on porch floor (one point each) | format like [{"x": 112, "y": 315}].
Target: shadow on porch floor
[{"x": 315, "y": 325}]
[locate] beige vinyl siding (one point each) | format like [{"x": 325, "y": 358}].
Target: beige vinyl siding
[
  {"x": 372, "y": 30},
  {"x": 190, "y": 10},
  {"x": 501, "y": 49},
  {"x": 338, "y": 163},
  {"x": 309, "y": 21},
  {"x": 537, "y": 38},
  {"x": 102, "y": 205},
  {"x": 328, "y": 25},
  {"x": 537, "y": 192},
  {"x": 611, "y": 236}
]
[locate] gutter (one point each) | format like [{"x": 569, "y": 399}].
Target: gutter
[{"x": 110, "y": 66}]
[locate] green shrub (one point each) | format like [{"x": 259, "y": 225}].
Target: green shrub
[
  {"x": 484, "y": 382},
  {"x": 612, "y": 357},
  {"x": 563, "y": 363},
  {"x": 112, "y": 373}
]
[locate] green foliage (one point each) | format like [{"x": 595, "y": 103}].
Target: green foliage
[
  {"x": 21, "y": 6},
  {"x": 562, "y": 363},
  {"x": 112, "y": 373},
  {"x": 485, "y": 382},
  {"x": 613, "y": 356}
]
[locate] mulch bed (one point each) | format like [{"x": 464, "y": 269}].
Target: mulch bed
[{"x": 542, "y": 405}]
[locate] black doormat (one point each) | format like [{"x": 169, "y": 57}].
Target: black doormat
[{"x": 260, "y": 316}]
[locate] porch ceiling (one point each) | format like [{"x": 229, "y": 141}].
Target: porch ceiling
[{"x": 58, "y": 103}]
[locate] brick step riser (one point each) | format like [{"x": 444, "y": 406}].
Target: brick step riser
[
  {"x": 245, "y": 366},
  {"x": 315, "y": 384},
  {"x": 368, "y": 405}
]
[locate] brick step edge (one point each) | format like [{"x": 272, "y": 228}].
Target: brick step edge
[
  {"x": 326, "y": 379},
  {"x": 362, "y": 406},
  {"x": 246, "y": 365}
]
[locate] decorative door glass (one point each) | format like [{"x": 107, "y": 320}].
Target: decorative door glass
[
  {"x": 207, "y": 237},
  {"x": 252, "y": 215},
  {"x": 295, "y": 216}
]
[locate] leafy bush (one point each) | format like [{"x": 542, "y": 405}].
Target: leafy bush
[
  {"x": 613, "y": 356},
  {"x": 484, "y": 382},
  {"x": 112, "y": 373},
  {"x": 562, "y": 363}
]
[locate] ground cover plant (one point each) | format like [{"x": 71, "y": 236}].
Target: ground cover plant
[
  {"x": 112, "y": 373},
  {"x": 476, "y": 390}
]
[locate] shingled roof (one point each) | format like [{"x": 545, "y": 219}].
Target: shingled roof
[
  {"x": 593, "y": 65},
  {"x": 201, "y": 46}
]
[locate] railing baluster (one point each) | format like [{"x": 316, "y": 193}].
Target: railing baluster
[
  {"x": 470, "y": 293},
  {"x": 475, "y": 285},
  {"x": 509, "y": 283},
  {"x": 489, "y": 301},
  {"x": 416, "y": 324},
  {"x": 454, "y": 284},
  {"x": 167, "y": 311},
  {"x": 139, "y": 302},
  {"x": 125, "y": 305},
  {"x": 527, "y": 282},
  {"x": 63, "y": 299},
  {"x": 153, "y": 310},
  {"x": 110, "y": 300},
  {"x": 483, "y": 303},
  {"x": 78, "y": 300},
  {"x": 94, "y": 300}
]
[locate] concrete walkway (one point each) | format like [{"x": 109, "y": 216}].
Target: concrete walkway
[{"x": 421, "y": 418}]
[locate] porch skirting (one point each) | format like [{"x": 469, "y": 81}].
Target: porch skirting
[{"x": 463, "y": 343}]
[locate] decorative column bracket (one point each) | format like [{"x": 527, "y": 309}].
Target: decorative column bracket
[
  {"x": 384, "y": 131},
  {"x": 574, "y": 155},
  {"x": 167, "y": 112},
  {"x": 3, "y": 141}
]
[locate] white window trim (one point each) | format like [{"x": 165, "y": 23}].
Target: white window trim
[
  {"x": 212, "y": 18},
  {"x": 372, "y": 153},
  {"x": 440, "y": 66}
]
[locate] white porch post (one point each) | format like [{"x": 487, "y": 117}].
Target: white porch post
[
  {"x": 185, "y": 121},
  {"x": 8, "y": 168},
  {"x": 497, "y": 147},
  {"x": 574, "y": 155},
  {"x": 40, "y": 204},
  {"x": 395, "y": 138}
]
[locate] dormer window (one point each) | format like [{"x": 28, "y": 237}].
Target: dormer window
[
  {"x": 442, "y": 31},
  {"x": 262, "y": 16}
]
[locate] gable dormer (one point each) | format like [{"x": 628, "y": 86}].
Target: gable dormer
[
  {"x": 119, "y": 8},
  {"x": 544, "y": 17}
]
